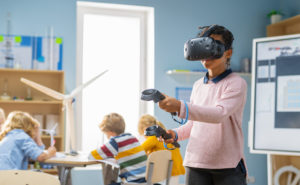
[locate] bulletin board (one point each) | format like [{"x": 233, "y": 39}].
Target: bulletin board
[
  {"x": 31, "y": 52},
  {"x": 275, "y": 107}
]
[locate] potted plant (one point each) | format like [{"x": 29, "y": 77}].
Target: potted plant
[{"x": 275, "y": 16}]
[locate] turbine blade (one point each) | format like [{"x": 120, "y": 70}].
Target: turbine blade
[
  {"x": 54, "y": 127},
  {"x": 79, "y": 88},
  {"x": 43, "y": 89}
]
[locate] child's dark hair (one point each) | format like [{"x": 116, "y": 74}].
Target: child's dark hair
[{"x": 220, "y": 30}]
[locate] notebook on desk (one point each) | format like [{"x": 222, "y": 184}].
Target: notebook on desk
[{"x": 60, "y": 155}]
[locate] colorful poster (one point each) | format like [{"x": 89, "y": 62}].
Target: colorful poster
[{"x": 29, "y": 52}]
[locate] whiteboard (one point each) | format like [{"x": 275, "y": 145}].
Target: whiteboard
[{"x": 275, "y": 106}]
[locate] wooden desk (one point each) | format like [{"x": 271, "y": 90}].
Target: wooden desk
[{"x": 65, "y": 164}]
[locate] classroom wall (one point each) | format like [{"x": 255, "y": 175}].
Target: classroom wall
[
  {"x": 290, "y": 7},
  {"x": 175, "y": 22}
]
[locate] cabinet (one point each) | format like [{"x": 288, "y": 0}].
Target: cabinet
[
  {"x": 40, "y": 104},
  {"x": 285, "y": 27}
]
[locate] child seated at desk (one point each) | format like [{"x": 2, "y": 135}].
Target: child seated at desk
[
  {"x": 20, "y": 140},
  {"x": 124, "y": 147},
  {"x": 152, "y": 144}
]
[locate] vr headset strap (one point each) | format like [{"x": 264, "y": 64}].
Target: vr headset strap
[{"x": 209, "y": 30}]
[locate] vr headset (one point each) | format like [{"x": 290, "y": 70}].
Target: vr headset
[{"x": 204, "y": 47}]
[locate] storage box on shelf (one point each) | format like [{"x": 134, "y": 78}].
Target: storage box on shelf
[{"x": 40, "y": 104}]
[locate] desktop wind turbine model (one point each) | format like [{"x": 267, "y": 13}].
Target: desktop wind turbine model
[
  {"x": 51, "y": 132},
  {"x": 67, "y": 102}
]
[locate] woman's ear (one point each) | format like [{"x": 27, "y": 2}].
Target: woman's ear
[{"x": 228, "y": 53}]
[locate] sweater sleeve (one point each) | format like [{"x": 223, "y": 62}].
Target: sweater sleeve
[
  {"x": 184, "y": 131},
  {"x": 31, "y": 149},
  {"x": 150, "y": 143},
  {"x": 108, "y": 150},
  {"x": 230, "y": 100}
]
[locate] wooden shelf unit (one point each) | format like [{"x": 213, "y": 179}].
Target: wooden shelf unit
[
  {"x": 285, "y": 27},
  {"x": 275, "y": 162},
  {"x": 41, "y": 103}
]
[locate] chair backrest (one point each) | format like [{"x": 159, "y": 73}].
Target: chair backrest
[
  {"x": 161, "y": 161},
  {"x": 26, "y": 177}
]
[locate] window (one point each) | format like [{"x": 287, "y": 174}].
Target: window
[{"x": 119, "y": 38}]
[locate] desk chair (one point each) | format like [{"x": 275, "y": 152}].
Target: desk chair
[
  {"x": 159, "y": 167},
  {"x": 26, "y": 177}
]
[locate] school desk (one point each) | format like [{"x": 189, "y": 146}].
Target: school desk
[{"x": 66, "y": 163}]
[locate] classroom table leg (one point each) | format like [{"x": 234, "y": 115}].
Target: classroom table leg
[
  {"x": 64, "y": 175},
  {"x": 110, "y": 173}
]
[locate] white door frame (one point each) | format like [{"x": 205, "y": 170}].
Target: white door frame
[{"x": 146, "y": 15}]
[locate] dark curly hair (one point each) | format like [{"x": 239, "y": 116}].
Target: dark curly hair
[
  {"x": 227, "y": 36},
  {"x": 220, "y": 30}
]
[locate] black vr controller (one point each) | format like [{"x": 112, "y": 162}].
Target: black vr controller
[
  {"x": 156, "y": 96},
  {"x": 204, "y": 47},
  {"x": 153, "y": 95},
  {"x": 158, "y": 131}
]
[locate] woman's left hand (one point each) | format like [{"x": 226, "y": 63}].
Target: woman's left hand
[{"x": 170, "y": 104}]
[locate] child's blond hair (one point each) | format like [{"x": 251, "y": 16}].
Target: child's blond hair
[
  {"x": 148, "y": 121},
  {"x": 113, "y": 122},
  {"x": 19, "y": 120}
]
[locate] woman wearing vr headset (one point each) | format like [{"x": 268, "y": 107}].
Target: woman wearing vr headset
[{"x": 214, "y": 154}]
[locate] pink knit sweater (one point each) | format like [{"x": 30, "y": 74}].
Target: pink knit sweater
[{"x": 214, "y": 128}]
